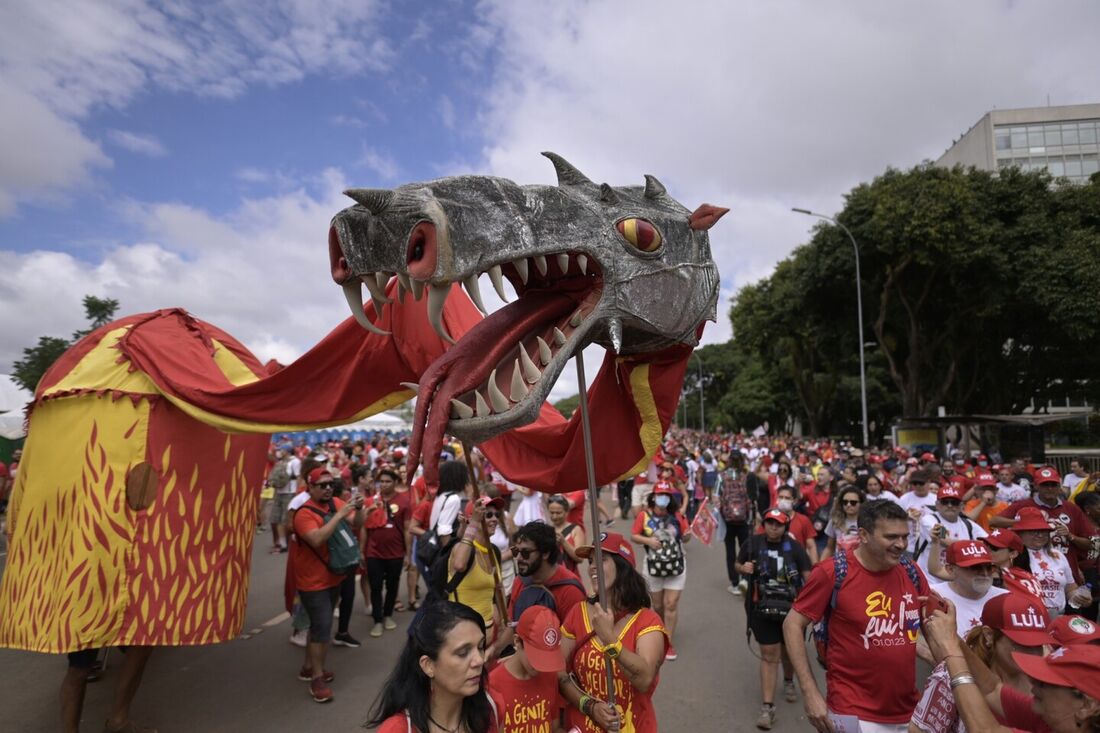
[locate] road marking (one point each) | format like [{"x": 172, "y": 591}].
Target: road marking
[{"x": 275, "y": 621}]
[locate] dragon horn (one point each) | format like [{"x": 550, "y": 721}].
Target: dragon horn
[
  {"x": 374, "y": 199},
  {"x": 567, "y": 174},
  {"x": 608, "y": 195},
  {"x": 653, "y": 187}
]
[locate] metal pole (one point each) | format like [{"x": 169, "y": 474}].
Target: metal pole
[
  {"x": 859, "y": 313},
  {"x": 593, "y": 506},
  {"x": 702, "y": 397}
]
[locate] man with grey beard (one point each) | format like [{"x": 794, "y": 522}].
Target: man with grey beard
[{"x": 971, "y": 569}]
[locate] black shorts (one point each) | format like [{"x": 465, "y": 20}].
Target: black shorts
[
  {"x": 83, "y": 659},
  {"x": 766, "y": 629}
]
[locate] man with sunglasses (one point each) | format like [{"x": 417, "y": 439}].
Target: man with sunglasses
[
  {"x": 947, "y": 523},
  {"x": 917, "y": 501}
]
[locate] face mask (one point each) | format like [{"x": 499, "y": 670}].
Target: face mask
[
  {"x": 785, "y": 505},
  {"x": 662, "y": 500}
]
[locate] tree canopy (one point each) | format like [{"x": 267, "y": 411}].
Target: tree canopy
[{"x": 28, "y": 371}]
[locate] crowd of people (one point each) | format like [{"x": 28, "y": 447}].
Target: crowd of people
[{"x": 931, "y": 585}]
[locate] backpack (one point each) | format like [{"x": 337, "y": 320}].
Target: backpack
[
  {"x": 427, "y": 545},
  {"x": 343, "y": 547},
  {"x": 840, "y": 568},
  {"x": 920, "y": 547},
  {"x": 668, "y": 561},
  {"x": 279, "y": 476},
  {"x": 734, "y": 500},
  {"x": 439, "y": 587},
  {"x": 538, "y": 594}
]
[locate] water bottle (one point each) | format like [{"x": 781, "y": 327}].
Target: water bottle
[{"x": 1075, "y": 604}]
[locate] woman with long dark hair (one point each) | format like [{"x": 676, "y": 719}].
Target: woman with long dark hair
[
  {"x": 628, "y": 636},
  {"x": 842, "y": 530},
  {"x": 440, "y": 682}
]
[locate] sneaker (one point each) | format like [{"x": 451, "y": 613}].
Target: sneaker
[
  {"x": 789, "y": 693},
  {"x": 320, "y": 691},
  {"x": 300, "y": 638},
  {"x": 305, "y": 674},
  {"x": 743, "y": 586},
  {"x": 345, "y": 639},
  {"x": 767, "y": 717},
  {"x": 734, "y": 589},
  {"x": 376, "y": 631},
  {"x": 388, "y": 623},
  {"x": 671, "y": 655}
]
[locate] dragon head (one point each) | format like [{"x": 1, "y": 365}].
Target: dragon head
[{"x": 626, "y": 267}]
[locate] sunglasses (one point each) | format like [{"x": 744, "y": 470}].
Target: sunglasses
[
  {"x": 916, "y": 483},
  {"x": 492, "y": 514},
  {"x": 525, "y": 552},
  {"x": 950, "y": 502},
  {"x": 851, "y": 502}
]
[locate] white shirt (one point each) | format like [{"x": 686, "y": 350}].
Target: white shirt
[
  {"x": 1052, "y": 570},
  {"x": 884, "y": 494},
  {"x": 445, "y": 512},
  {"x": 692, "y": 470},
  {"x": 1009, "y": 493},
  {"x": 968, "y": 612},
  {"x": 1071, "y": 480},
  {"x": 955, "y": 531},
  {"x": 910, "y": 500},
  {"x": 294, "y": 470}
]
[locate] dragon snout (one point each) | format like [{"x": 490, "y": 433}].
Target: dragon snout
[{"x": 339, "y": 264}]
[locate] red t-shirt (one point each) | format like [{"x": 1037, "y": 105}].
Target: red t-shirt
[
  {"x": 566, "y": 595},
  {"x": 576, "y": 514},
  {"x": 815, "y": 499},
  {"x": 526, "y": 706},
  {"x": 1019, "y": 712},
  {"x": 423, "y": 513},
  {"x": 874, "y": 627},
  {"x": 589, "y": 666},
  {"x": 801, "y": 528},
  {"x": 387, "y": 542},
  {"x": 310, "y": 571},
  {"x": 398, "y": 723}
]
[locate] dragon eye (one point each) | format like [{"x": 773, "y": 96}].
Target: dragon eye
[{"x": 640, "y": 233}]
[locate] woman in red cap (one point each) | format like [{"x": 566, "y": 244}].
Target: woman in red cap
[
  {"x": 1066, "y": 685},
  {"x": 1048, "y": 564},
  {"x": 662, "y": 530},
  {"x": 628, "y": 636}
]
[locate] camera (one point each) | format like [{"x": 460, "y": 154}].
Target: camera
[{"x": 775, "y": 599}]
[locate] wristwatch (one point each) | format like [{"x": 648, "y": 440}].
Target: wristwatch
[{"x": 613, "y": 650}]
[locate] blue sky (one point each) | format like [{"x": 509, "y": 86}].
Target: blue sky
[{"x": 192, "y": 154}]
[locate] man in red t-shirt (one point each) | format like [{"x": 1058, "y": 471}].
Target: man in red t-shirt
[
  {"x": 318, "y": 586},
  {"x": 872, "y": 630},
  {"x": 385, "y": 525},
  {"x": 527, "y": 681}
]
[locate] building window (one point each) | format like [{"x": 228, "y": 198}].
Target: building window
[
  {"x": 1053, "y": 135},
  {"x": 1073, "y": 167},
  {"x": 1004, "y": 140},
  {"x": 1089, "y": 165},
  {"x": 1069, "y": 134},
  {"x": 1057, "y": 167},
  {"x": 1019, "y": 138},
  {"x": 1087, "y": 133}
]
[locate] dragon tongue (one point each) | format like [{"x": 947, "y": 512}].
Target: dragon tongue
[{"x": 470, "y": 361}]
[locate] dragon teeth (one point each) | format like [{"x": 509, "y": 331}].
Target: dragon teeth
[
  {"x": 530, "y": 372},
  {"x": 563, "y": 262},
  {"x": 353, "y": 292},
  {"x": 519, "y": 389},
  {"x": 460, "y": 410},
  {"x": 545, "y": 354},
  {"x": 559, "y": 337},
  {"x": 540, "y": 264},
  {"x": 437, "y": 296},
  {"x": 474, "y": 291},
  {"x": 498, "y": 281},
  {"x": 582, "y": 263},
  {"x": 483, "y": 409},
  {"x": 521, "y": 268},
  {"x": 576, "y": 318},
  {"x": 496, "y": 397}
]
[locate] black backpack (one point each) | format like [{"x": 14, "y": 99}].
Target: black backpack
[
  {"x": 439, "y": 587},
  {"x": 538, "y": 594}
]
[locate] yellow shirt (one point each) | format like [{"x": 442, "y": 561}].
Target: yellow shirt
[{"x": 477, "y": 587}]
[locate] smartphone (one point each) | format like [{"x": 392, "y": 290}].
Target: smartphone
[{"x": 934, "y": 602}]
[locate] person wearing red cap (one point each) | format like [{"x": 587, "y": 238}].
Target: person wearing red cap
[
  {"x": 985, "y": 505},
  {"x": 946, "y": 525},
  {"x": 628, "y": 635},
  {"x": 1074, "y": 630},
  {"x": 1048, "y": 564},
  {"x": 662, "y": 531},
  {"x": 526, "y": 682},
  {"x": 1066, "y": 685},
  {"x": 970, "y": 565},
  {"x": 778, "y": 567},
  {"x": 1009, "y": 623}
]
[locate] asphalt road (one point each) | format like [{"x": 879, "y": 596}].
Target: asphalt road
[{"x": 251, "y": 683}]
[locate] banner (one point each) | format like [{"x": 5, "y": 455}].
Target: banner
[{"x": 704, "y": 525}]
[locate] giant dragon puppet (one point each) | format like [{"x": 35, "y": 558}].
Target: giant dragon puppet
[{"x": 132, "y": 517}]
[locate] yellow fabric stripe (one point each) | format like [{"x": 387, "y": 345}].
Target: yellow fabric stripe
[
  {"x": 650, "y": 431},
  {"x": 234, "y": 425},
  {"x": 232, "y": 366},
  {"x": 100, "y": 370},
  {"x": 595, "y": 640}
]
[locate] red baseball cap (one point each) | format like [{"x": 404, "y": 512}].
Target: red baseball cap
[
  {"x": 1005, "y": 539},
  {"x": 321, "y": 475},
  {"x": 612, "y": 542},
  {"x": 777, "y": 515},
  {"x": 949, "y": 491},
  {"x": 1031, "y": 518},
  {"x": 1076, "y": 666},
  {"x": 1020, "y": 616},
  {"x": 540, "y": 630},
  {"x": 966, "y": 553},
  {"x": 664, "y": 487},
  {"x": 1074, "y": 630},
  {"x": 985, "y": 478},
  {"x": 1047, "y": 475},
  {"x": 927, "y": 457},
  {"x": 485, "y": 501}
]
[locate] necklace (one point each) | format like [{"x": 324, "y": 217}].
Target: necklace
[{"x": 437, "y": 724}]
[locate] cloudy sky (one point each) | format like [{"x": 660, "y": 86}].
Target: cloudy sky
[{"x": 192, "y": 154}]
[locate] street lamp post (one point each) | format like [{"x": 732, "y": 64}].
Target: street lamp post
[
  {"x": 859, "y": 312},
  {"x": 702, "y": 421}
]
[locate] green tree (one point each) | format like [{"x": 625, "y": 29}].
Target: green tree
[
  {"x": 567, "y": 405},
  {"x": 27, "y": 372}
]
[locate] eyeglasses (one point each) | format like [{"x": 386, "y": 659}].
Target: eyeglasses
[
  {"x": 851, "y": 502},
  {"x": 950, "y": 502},
  {"x": 523, "y": 552},
  {"x": 916, "y": 483},
  {"x": 492, "y": 514}
]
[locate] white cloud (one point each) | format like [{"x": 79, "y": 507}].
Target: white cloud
[
  {"x": 137, "y": 143},
  {"x": 761, "y": 107},
  {"x": 379, "y": 163},
  {"x": 447, "y": 112},
  {"x": 61, "y": 59}
]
